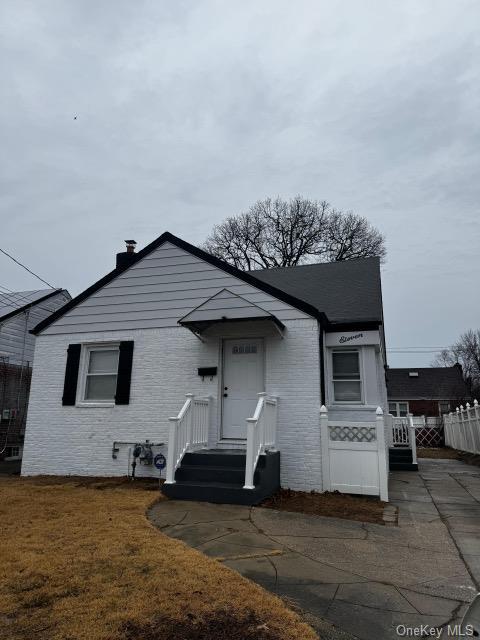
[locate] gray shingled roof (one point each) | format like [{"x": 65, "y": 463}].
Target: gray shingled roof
[
  {"x": 432, "y": 383},
  {"x": 348, "y": 291}
]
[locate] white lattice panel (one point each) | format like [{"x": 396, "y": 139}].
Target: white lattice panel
[
  {"x": 353, "y": 433},
  {"x": 429, "y": 437}
]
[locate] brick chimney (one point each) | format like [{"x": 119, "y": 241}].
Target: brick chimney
[{"x": 128, "y": 256}]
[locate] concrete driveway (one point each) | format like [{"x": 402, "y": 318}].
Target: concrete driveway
[{"x": 353, "y": 579}]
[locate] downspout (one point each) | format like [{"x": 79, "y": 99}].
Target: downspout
[{"x": 322, "y": 363}]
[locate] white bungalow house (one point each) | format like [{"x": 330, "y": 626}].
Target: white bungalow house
[{"x": 240, "y": 382}]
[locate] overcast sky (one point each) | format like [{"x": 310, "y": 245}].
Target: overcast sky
[{"x": 187, "y": 112}]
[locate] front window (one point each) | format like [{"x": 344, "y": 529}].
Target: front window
[
  {"x": 398, "y": 409},
  {"x": 101, "y": 374},
  {"x": 346, "y": 376}
]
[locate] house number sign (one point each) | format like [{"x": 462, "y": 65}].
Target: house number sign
[
  {"x": 344, "y": 339},
  {"x": 245, "y": 348},
  {"x": 335, "y": 339}
]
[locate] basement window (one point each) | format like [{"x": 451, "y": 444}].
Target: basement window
[
  {"x": 101, "y": 373},
  {"x": 347, "y": 384}
]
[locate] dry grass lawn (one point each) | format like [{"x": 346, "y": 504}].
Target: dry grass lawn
[{"x": 79, "y": 560}]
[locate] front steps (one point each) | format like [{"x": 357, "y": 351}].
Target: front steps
[
  {"x": 400, "y": 459},
  {"x": 215, "y": 475}
]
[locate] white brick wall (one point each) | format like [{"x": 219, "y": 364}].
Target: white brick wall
[{"x": 78, "y": 440}]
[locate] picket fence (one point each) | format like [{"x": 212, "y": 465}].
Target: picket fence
[{"x": 462, "y": 428}]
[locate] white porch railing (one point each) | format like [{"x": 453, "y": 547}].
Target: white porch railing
[
  {"x": 462, "y": 428},
  {"x": 400, "y": 432},
  {"x": 188, "y": 431},
  {"x": 403, "y": 433},
  {"x": 261, "y": 434}
]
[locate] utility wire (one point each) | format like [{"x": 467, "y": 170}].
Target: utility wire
[
  {"x": 19, "y": 302},
  {"x": 413, "y": 352},
  {"x": 14, "y": 296},
  {"x": 14, "y": 300},
  {"x": 27, "y": 269},
  {"x": 15, "y": 304}
]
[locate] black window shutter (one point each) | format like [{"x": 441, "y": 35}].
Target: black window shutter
[
  {"x": 71, "y": 374},
  {"x": 122, "y": 396}
]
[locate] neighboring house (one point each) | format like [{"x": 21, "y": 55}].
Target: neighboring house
[
  {"x": 425, "y": 391},
  {"x": 113, "y": 366},
  {"x": 20, "y": 311}
]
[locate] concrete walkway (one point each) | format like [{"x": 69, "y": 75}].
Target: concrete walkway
[{"x": 353, "y": 579}]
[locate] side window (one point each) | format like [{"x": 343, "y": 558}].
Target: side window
[
  {"x": 101, "y": 374},
  {"x": 347, "y": 385}
]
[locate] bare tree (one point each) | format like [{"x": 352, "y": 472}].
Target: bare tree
[
  {"x": 466, "y": 351},
  {"x": 277, "y": 233},
  {"x": 349, "y": 236}
]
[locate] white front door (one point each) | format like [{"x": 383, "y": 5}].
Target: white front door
[{"x": 243, "y": 379}]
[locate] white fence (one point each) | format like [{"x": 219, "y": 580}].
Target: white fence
[
  {"x": 188, "y": 431},
  {"x": 354, "y": 456},
  {"x": 403, "y": 433},
  {"x": 462, "y": 428},
  {"x": 421, "y": 432},
  {"x": 261, "y": 434}
]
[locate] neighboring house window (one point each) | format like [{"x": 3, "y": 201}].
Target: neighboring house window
[
  {"x": 347, "y": 385},
  {"x": 101, "y": 374},
  {"x": 12, "y": 453},
  {"x": 444, "y": 406},
  {"x": 398, "y": 409}
]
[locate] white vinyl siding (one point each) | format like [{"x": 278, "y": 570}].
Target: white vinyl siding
[{"x": 159, "y": 290}]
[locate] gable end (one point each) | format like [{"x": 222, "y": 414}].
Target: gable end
[{"x": 195, "y": 251}]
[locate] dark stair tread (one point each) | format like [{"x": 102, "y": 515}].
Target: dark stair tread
[
  {"x": 405, "y": 457},
  {"x": 209, "y": 484},
  {"x": 210, "y": 467},
  {"x": 223, "y": 483},
  {"x": 209, "y": 459},
  {"x": 403, "y": 466},
  {"x": 207, "y": 472}
]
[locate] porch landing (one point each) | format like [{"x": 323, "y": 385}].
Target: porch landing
[{"x": 218, "y": 475}]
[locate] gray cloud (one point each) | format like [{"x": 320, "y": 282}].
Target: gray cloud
[{"x": 188, "y": 112}]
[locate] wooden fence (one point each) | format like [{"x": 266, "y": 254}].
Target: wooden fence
[{"x": 462, "y": 428}]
